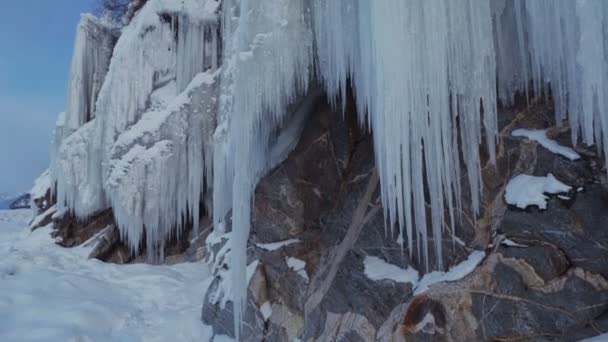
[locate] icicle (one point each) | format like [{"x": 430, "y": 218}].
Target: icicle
[
  {"x": 95, "y": 39},
  {"x": 168, "y": 150},
  {"x": 92, "y": 52},
  {"x": 270, "y": 53},
  {"x": 407, "y": 99},
  {"x": 563, "y": 45}
]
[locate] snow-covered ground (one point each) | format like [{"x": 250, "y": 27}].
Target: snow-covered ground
[{"x": 50, "y": 293}]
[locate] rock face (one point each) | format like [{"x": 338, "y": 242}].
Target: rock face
[
  {"x": 101, "y": 233},
  {"x": 544, "y": 276},
  {"x": 13, "y": 203}
]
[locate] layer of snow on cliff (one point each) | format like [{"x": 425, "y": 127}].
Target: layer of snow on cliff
[
  {"x": 378, "y": 269},
  {"x": 456, "y": 272},
  {"x": 41, "y": 185},
  {"x": 297, "y": 265},
  {"x": 48, "y": 293},
  {"x": 273, "y": 246},
  {"x": 599, "y": 338},
  {"x": 540, "y": 136},
  {"x": 524, "y": 190}
]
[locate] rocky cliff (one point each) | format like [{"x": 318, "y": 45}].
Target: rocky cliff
[{"x": 346, "y": 186}]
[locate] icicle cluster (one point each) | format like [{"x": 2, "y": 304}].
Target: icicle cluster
[
  {"x": 158, "y": 167},
  {"x": 561, "y": 44},
  {"x": 147, "y": 150},
  {"x": 270, "y": 53},
  {"x": 417, "y": 89},
  {"x": 424, "y": 75},
  {"x": 95, "y": 39}
]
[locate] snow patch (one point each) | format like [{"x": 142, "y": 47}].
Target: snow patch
[
  {"x": 377, "y": 269},
  {"x": 266, "y": 310},
  {"x": 50, "y": 293},
  {"x": 273, "y": 246},
  {"x": 50, "y": 211},
  {"x": 299, "y": 266},
  {"x": 456, "y": 272},
  {"x": 511, "y": 243},
  {"x": 524, "y": 190},
  {"x": 540, "y": 136},
  {"x": 41, "y": 185},
  {"x": 598, "y": 338}
]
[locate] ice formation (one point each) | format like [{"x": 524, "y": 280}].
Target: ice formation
[
  {"x": 95, "y": 39},
  {"x": 561, "y": 44},
  {"x": 143, "y": 144},
  {"x": 159, "y": 166},
  {"x": 197, "y": 101}
]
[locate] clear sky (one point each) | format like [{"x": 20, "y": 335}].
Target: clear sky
[{"x": 36, "y": 40}]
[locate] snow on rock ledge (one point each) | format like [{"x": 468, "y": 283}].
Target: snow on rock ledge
[
  {"x": 524, "y": 190},
  {"x": 540, "y": 136},
  {"x": 378, "y": 269}
]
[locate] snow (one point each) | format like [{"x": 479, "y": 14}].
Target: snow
[
  {"x": 299, "y": 266},
  {"x": 378, "y": 269},
  {"x": 540, "y": 136},
  {"x": 273, "y": 246},
  {"x": 525, "y": 190},
  {"x": 48, "y": 293},
  {"x": 511, "y": 243},
  {"x": 456, "y": 272},
  {"x": 41, "y": 185},
  {"x": 38, "y": 219},
  {"x": 599, "y": 338},
  {"x": 266, "y": 310}
]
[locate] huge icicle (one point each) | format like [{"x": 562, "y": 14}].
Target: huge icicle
[
  {"x": 95, "y": 39},
  {"x": 270, "y": 57}
]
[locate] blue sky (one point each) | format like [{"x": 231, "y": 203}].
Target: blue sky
[{"x": 36, "y": 39}]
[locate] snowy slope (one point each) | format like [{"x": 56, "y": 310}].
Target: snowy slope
[{"x": 48, "y": 293}]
